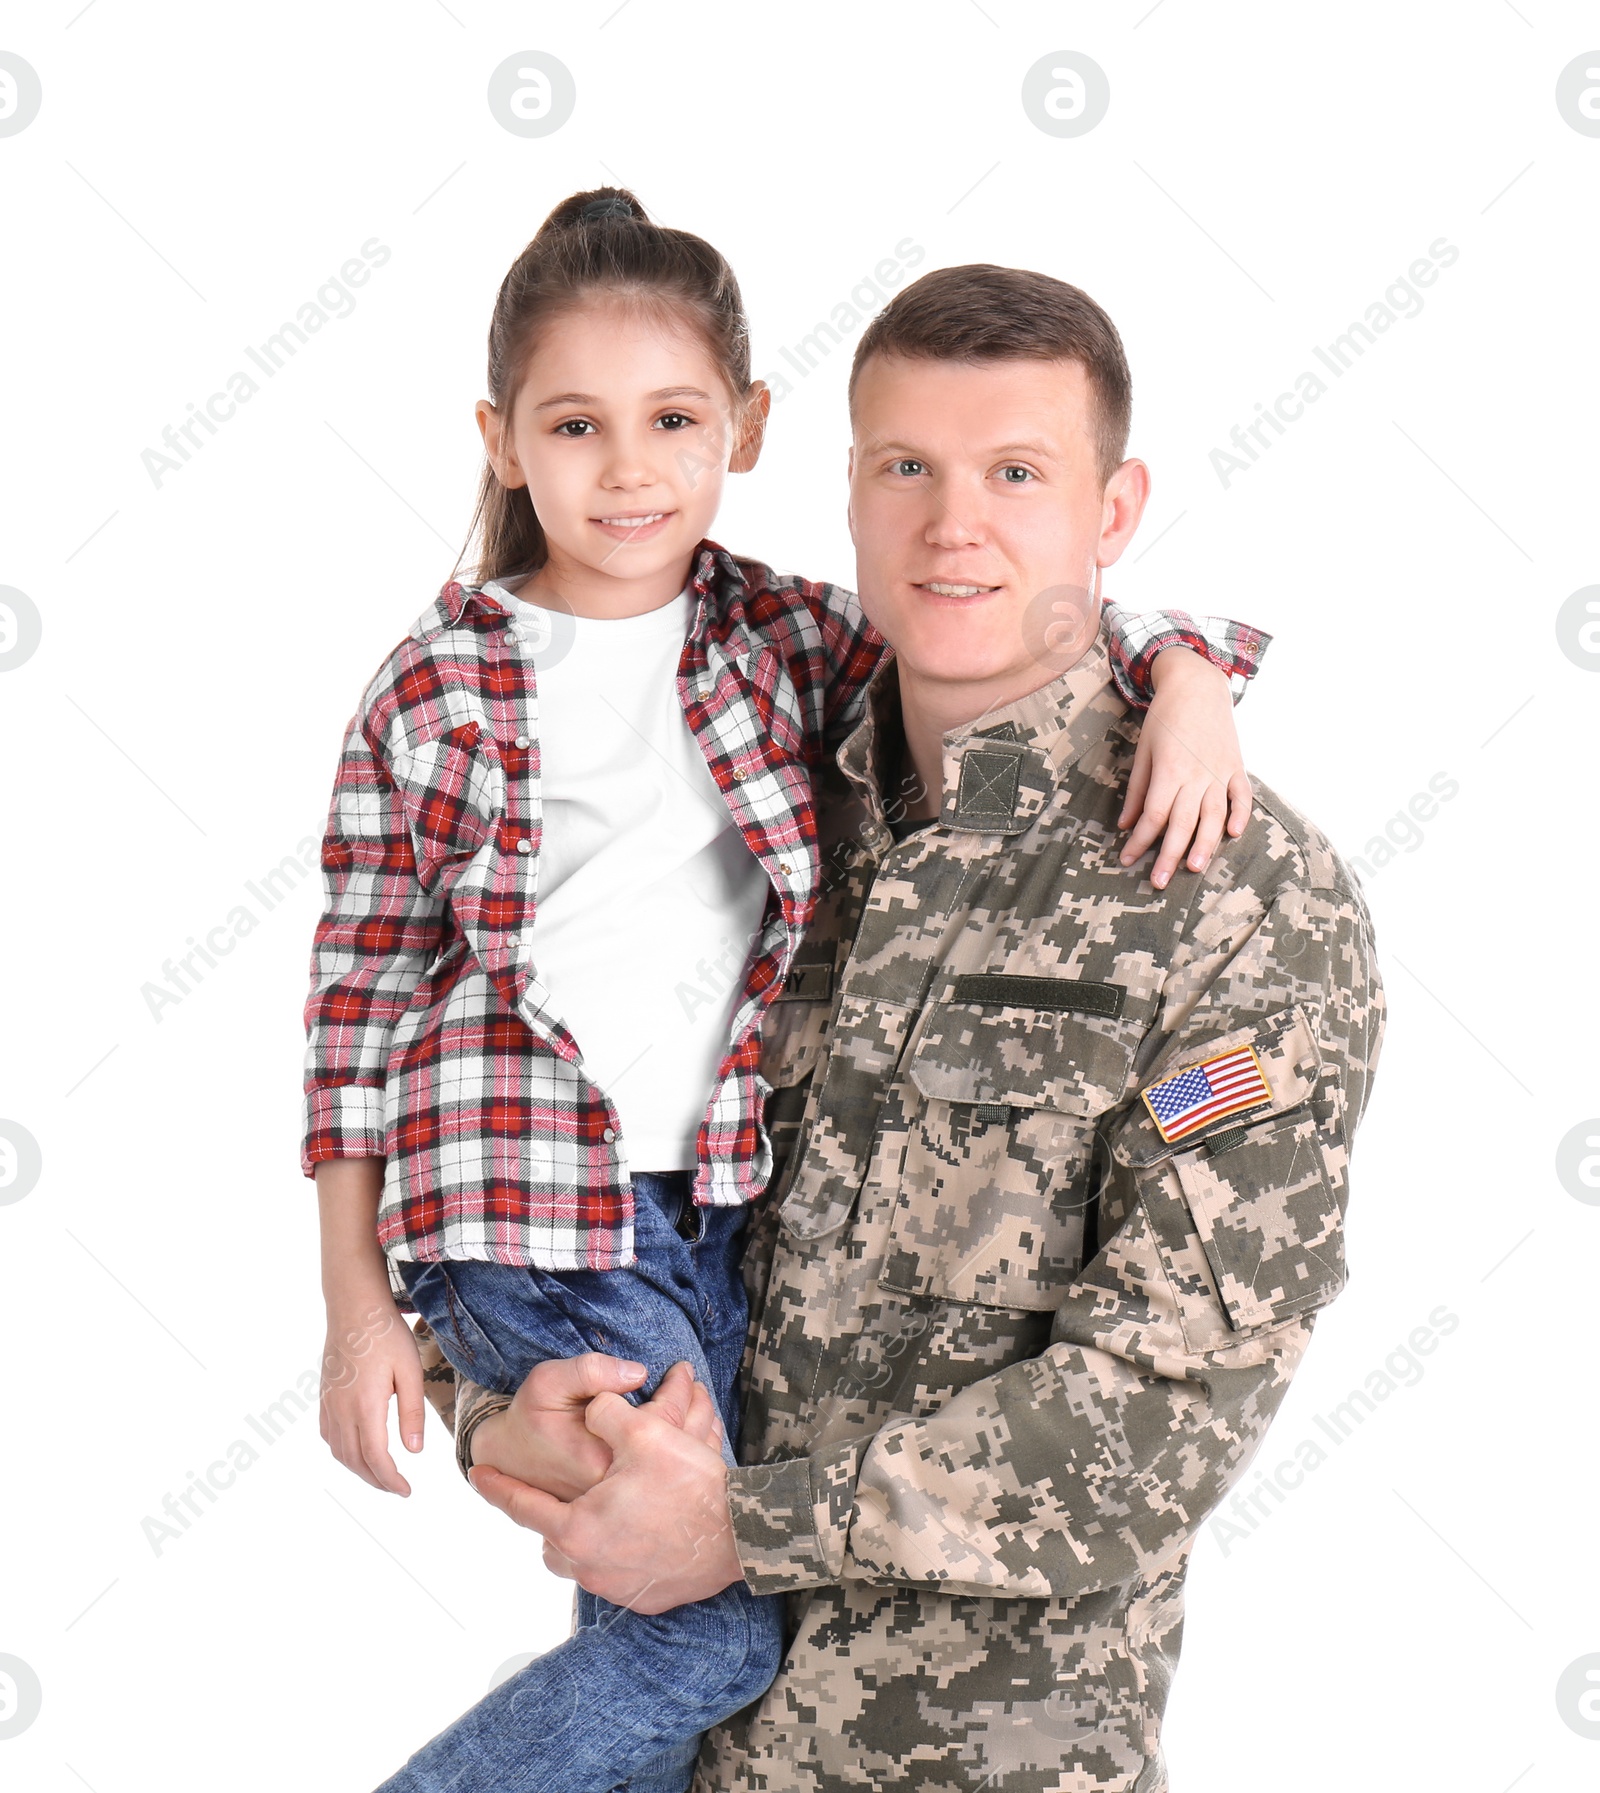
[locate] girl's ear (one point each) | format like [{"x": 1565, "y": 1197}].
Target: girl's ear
[
  {"x": 752, "y": 427},
  {"x": 496, "y": 445}
]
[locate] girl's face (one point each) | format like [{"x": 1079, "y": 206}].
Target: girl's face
[{"x": 623, "y": 431}]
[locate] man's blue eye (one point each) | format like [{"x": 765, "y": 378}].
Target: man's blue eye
[
  {"x": 911, "y": 469},
  {"x": 1024, "y": 474}
]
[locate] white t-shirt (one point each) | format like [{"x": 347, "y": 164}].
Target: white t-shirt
[{"x": 648, "y": 899}]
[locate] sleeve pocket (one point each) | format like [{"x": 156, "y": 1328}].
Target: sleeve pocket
[{"x": 1268, "y": 1220}]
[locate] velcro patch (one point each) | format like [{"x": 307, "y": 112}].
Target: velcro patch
[
  {"x": 807, "y": 983},
  {"x": 1201, "y": 1094},
  {"x": 1075, "y": 995},
  {"x": 988, "y": 788}
]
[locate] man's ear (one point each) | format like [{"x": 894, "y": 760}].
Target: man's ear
[
  {"x": 495, "y": 432},
  {"x": 1126, "y": 494},
  {"x": 752, "y": 427}
]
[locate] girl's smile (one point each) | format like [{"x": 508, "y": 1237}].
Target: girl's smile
[{"x": 634, "y": 526}]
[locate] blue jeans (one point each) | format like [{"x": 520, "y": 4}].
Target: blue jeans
[{"x": 622, "y": 1703}]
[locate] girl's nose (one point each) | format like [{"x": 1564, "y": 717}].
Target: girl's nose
[{"x": 627, "y": 467}]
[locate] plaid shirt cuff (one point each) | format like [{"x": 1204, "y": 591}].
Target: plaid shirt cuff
[
  {"x": 342, "y": 1120},
  {"x": 791, "y": 1520},
  {"x": 1135, "y": 641}
]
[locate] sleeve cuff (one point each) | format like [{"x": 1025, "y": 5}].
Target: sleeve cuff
[
  {"x": 473, "y": 1406},
  {"x": 1135, "y": 641},
  {"x": 438, "y": 1379},
  {"x": 341, "y": 1120},
  {"x": 791, "y": 1520}
]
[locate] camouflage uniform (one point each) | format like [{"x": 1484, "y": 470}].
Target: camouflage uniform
[{"x": 1009, "y": 1346}]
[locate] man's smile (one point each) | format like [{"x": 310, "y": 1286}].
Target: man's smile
[{"x": 941, "y": 588}]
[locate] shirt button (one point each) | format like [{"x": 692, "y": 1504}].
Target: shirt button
[
  {"x": 510, "y": 635},
  {"x": 523, "y": 741},
  {"x": 739, "y": 775},
  {"x": 524, "y": 845},
  {"x": 609, "y": 1135},
  {"x": 786, "y": 868}
]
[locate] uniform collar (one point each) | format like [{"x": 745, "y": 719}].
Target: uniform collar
[
  {"x": 712, "y": 572},
  {"x": 1000, "y": 770}
]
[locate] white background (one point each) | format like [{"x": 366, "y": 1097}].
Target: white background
[{"x": 1264, "y": 172}]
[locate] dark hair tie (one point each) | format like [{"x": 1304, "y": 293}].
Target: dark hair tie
[{"x": 610, "y": 207}]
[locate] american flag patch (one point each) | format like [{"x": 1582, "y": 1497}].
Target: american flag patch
[{"x": 1203, "y": 1093}]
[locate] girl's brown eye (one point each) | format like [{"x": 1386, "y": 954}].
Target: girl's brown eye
[{"x": 574, "y": 426}]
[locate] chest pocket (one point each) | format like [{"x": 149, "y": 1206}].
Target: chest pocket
[
  {"x": 820, "y": 1194},
  {"x": 998, "y": 1171},
  {"x": 793, "y": 1037},
  {"x": 452, "y": 791}
]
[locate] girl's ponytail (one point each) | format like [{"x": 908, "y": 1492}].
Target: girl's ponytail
[{"x": 599, "y": 242}]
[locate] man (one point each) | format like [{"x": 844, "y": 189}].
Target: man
[{"x": 1066, "y": 1154}]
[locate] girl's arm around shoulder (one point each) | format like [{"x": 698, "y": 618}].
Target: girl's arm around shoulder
[
  {"x": 1188, "y": 774},
  {"x": 1138, "y": 639},
  {"x": 823, "y": 634}
]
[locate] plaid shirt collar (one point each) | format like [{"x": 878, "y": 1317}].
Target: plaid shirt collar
[{"x": 714, "y": 571}]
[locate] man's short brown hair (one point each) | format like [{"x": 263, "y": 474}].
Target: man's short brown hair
[{"x": 984, "y": 313}]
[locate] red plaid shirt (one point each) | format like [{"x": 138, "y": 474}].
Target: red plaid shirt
[{"x": 432, "y": 1043}]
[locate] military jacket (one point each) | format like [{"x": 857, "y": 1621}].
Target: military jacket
[{"x": 1011, "y": 1345}]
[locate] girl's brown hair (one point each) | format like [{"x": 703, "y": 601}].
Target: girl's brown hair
[{"x": 593, "y": 243}]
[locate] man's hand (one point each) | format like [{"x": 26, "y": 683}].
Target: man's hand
[
  {"x": 369, "y": 1356},
  {"x": 1188, "y": 774},
  {"x": 541, "y": 1438},
  {"x": 654, "y": 1532}
]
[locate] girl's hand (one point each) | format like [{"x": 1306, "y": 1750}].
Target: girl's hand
[
  {"x": 370, "y": 1355},
  {"x": 1188, "y": 774}
]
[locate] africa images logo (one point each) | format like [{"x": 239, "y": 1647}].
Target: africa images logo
[{"x": 1401, "y": 299}]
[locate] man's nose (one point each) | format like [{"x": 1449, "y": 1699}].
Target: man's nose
[{"x": 953, "y": 523}]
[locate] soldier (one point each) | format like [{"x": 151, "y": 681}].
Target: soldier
[{"x": 1066, "y": 1154}]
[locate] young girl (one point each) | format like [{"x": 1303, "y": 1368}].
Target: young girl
[{"x": 570, "y": 855}]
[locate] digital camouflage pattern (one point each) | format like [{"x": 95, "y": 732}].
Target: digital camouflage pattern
[
  {"x": 1009, "y": 1349},
  {"x": 1012, "y": 1348}
]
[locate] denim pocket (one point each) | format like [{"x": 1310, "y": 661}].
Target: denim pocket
[{"x": 437, "y": 1296}]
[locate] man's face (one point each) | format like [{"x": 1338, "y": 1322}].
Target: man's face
[{"x": 979, "y": 519}]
